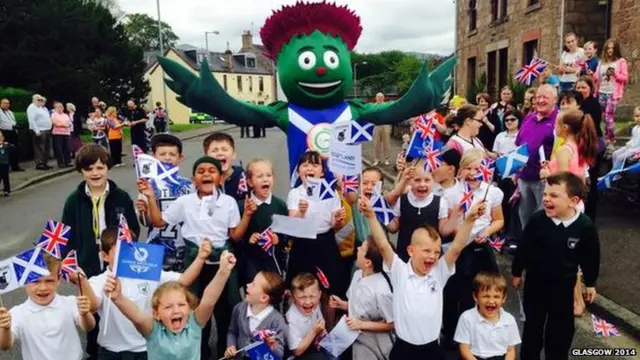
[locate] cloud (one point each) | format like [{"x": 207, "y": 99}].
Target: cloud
[{"x": 406, "y": 25}]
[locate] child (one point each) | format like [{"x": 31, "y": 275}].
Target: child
[
  {"x": 120, "y": 340},
  {"x": 570, "y": 60},
  {"x": 205, "y": 213},
  {"x": 322, "y": 253},
  {"x": 114, "y": 126},
  {"x": 306, "y": 324},
  {"x": 260, "y": 178},
  {"x": 175, "y": 329},
  {"x": 159, "y": 118},
  {"x": 6, "y": 151},
  {"x": 370, "y": 305},
  {"x": 222, "y": 147},
  {"x": 417, "y": 208},
  {"x": 418, "y": 284},
  {"x": 487, "y": 331},
  {"x": 591, "y": 54},
  {"x": 258, "y": 312},
  {"x": 45, "y": 324},
  {"x": 167, "y": 148},
  {"x": 445, "y": 174},
  {"x": 631, "y": 147},
  {"x": 555, "y": 241},
  {"x": 98, "y": 124}
]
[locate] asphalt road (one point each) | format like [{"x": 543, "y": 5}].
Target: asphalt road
[{"x": 22, "y": 217}]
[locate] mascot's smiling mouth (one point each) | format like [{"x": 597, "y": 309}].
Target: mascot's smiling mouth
[{"x": 320, "y": 88}]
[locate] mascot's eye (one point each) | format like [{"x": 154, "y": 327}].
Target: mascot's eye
[
  {"x": 331, "y": 59},
  {"x": 307, "y": 60}
]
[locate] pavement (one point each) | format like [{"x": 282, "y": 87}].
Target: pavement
[{"x": 45, "y": 199}]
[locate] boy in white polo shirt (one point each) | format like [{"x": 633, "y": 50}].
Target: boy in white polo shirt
[
  {"x": 418, "y": 284},
  {"x": 487, "y": 332},
  {"x": 45, "y": 324},
  {"x": 118, "y": 339},
  {"x": 207, "y": 213}
]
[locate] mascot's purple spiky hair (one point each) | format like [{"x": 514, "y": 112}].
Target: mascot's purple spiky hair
[{"x": 305, "y": 18}]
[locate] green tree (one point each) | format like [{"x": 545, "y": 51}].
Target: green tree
[
  {"x": 86, "y": 53},
  {"x": 142, "y": 30},
  {"x": 388, "y": 71}
]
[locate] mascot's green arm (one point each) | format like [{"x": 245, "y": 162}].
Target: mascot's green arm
[
  {"x": 205, "y": 94},
  {"x": 426, "y": 93}
]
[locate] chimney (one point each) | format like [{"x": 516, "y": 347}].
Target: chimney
[
  {"x": 247, "y": 40},
  {"x": 228, "y": 56}
]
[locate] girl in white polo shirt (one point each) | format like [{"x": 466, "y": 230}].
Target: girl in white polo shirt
[{"x": 418, "y": 284}]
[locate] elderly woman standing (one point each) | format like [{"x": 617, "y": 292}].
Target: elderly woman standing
[
  {"x": 75, "y": 143},
  {"x": 60, "y": 133}
]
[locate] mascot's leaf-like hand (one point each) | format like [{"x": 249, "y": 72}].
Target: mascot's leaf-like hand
[
  {"x": 426, "y": 93},
  {"x": 205, "y": 94}
]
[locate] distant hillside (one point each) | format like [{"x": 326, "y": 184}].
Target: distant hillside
[{"x": 421, "y": 55}]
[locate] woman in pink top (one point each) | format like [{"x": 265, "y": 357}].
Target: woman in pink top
[
  {"x": 60, "y": 133},
  {"x": 611, "y": 77}
]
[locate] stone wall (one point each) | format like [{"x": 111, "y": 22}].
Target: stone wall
[{"x": 625, "y": 27}]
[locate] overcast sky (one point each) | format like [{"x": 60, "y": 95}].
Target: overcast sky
[{"x": 407, "y": 25}]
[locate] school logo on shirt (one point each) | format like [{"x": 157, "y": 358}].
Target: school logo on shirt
[
  {"x": 572, "y": 242},
  {"x": 143, "y": 288},
  {"x": 5, "y": 277}
]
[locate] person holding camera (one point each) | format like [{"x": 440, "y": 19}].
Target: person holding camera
[{"x": 611, "y": 77}]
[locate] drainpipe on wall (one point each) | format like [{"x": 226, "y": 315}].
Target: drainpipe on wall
[
  {"x": 562, "y": 4},
  {"x": 455, "y": 47}
]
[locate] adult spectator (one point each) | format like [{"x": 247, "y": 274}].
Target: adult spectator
[
  {"x": 95, "y": 103},
  {"x": 536, "y": 131},
  {"x": 611, "y": 78},
  {"x": 381, "y": 138},
  {"x": 529, "y": 101},
  {"x": 8, "y": 127},
  {"x": 40, "y": 125},
  {"x": 160, "y": 118},
  {"x": 499, "y": 108},
  {"x": 137, "y": 119},
  {"x": 570, "y": 62},
  {"x": 490, "y": 122},
  {"x": 75, "y": 143},
  {"x": 60, "y": 134},
  {"x": 468, "y": 120},
  {"x": 547, "y": 77}
]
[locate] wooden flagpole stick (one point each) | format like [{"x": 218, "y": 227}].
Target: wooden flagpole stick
[
  {"x": 252, "y": 345},
  {"x": 80, "y": 283},
  {"x": 486, "y": 192}
]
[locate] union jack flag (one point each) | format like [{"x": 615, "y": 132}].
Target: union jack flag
[
  {"x": 323, "y": 278},
  {"x": 530, "y": 72},
  {"x": 433, "y": 159},
  {"x": 263, "y": 334},
  {"x": 603, "y": 328},
  {"x": 124, "y": 233},
  {"x": 497, "y": 242},
  {"x": 242, "y": 184},
  {"x": 55, "y": 237},
  {"x": 467, "y": 198},
  {"x": 426, "y": 127},
  {"x": 350, "y": 184},
  {"x": 69, "y": 265},
  {"x": 485, "y": 171},
  {"x": 266, "y": 241}
]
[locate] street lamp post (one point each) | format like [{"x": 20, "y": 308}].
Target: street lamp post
[
  {"x": 164, "y": 88},
  {"x": 355, "y": 77},
  {"x": 206, "y": 39}
]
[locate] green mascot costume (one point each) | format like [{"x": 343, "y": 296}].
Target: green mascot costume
[{"x": 311, "y": 44}]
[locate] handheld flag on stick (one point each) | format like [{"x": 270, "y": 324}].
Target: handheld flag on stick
[
  {"x": 383, "y": 211},
  {"x": 530, "y": 72},
  {"x": 327, "y": 189},
  {"x": 509, "y": 164},
  {"x": 360, "y": 132},
  {"x": 54, "y": 239},
  {"x": 497, "y": 242},
  {"x": 242, "y": 184},
  {"x": 29, "y": 266},
  {"x": 263, "y": 334},
  {"x": 69, "y": 265},
  {"x": 603, "y": 328},
  {"x": 433, "y": 160},
  {"x": 350, "y": 184},
  {"x": 467, "y": 198},
  {"x": 322, "y": 278}
]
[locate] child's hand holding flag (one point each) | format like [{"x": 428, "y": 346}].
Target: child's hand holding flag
[
  {"x": 249, "y": 206},
  {"x": 84, "y": 306},
  {"x": 112, "y": 288},
  {"x": 144, "y": 188},
  {"x": 5, "y": 319},
  {"x": 205, "y": 249}
]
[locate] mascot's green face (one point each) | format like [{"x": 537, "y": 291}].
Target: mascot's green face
[{"x": 315, "y": 71}]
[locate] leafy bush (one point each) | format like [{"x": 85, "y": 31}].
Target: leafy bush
[
  {"x": 19, "y": 98},
  {"x": 479, "y": 86}
]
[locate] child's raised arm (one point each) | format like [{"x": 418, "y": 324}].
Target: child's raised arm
[
  {"x": 377, "y": 233},
  {"x": 214, "y": 289},
  {"x": 249, "y": 209},
  {"x": 6, "y": 335},
  {"x": 192, "y": 272},
  {"x": 464, "y": 231},
  {"x": 142, "y": 321}
]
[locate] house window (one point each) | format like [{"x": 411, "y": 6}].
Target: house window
[
  {"x": 503, "y": 9},
  {"x": 491, "y": 72},
  {"x": 224, "y": 82},
  {"x": 532, "y": 2},
  {"x": 250, "y": 83},
  {"x": 494, "y": 10},
  {"x": 260, "y": 84},
  {"x": 503, "y": 67},
  {"x": 473, "y": 15},
  {"x": 251, "y": 62},
  {"x": 239, "y": 80},
  {"x": 529, "y": 51},
  {"x": 471, "y": 72}
]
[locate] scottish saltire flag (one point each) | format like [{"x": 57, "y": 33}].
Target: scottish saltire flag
[
  {"x": 327, "y": 189},
  {"x": 260, "y": 351},
  {"x": 242, "y": 184},
  {"x": 29, "y": 266},
  {"x": 266, "y": 241},
  {"x": 69, "y": 265},
  {"x": 360, "y": 132},
  {"x": 485, "y": 171},
  {"x": 433, "y": 160},
  {"x": 54, "y": 238},
  {"x": 531, "y": 71},
  {"x": 509, "y": 164},
  {"x": 603, "y": 328},
  {"x": 322, "y": 278},
  {"x": 383, "y": 211},
  {"x": 605, "y": 181},
  {"x": 168, "y": 173},
  {"x": 497, "y": 242},
  {"x": 142, "y": 261},
  {"x": 350, "y": 184},
  {"x": 467, "y": 198},
  {"x": 263, "y": 334}
]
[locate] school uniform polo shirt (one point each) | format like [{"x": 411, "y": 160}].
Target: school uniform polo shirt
[
  {"x": 256, "y": 319},
  {"x": 494, "y": 199},
  {"x": 443, "y": 209},
  {"x": 166, "y": 345},
  {"x": 319, "y": 210},
  {"x": 210, "y": 216},
  {"x": 300, "y": 325},
  {"x": 417, "y": 300},
  {"x": 370, "y": 297},
  {"x": 48, "y": 332},
  {"x": 121, "y": 335},
  {"x": 485, "y": 338}
]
